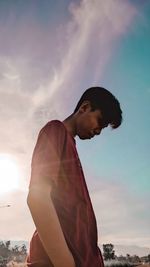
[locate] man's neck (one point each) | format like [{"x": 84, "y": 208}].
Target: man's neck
[{"x": 70, "y": 124}]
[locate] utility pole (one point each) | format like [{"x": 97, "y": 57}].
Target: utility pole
[{"x": 5, "y": 206}]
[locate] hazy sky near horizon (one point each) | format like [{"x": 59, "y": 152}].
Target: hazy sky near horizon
[{"x": 50, "y": 52}]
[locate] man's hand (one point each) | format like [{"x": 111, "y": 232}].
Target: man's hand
[{"x": 48, "y": 226}]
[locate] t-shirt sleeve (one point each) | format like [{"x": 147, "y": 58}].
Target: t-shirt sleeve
[{"x": 47, "y": 154}]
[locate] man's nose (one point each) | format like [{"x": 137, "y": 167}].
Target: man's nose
[{"x": 97, "y": 131}]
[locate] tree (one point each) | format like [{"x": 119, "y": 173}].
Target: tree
[
  {"x": 7, "y": 254},
  {"x": 108, "y": 252},
  {"x": 15, "y": 249},
  {"x": 4, "y": 249},
  {"x": 7, "y": 244},
  {"x": 128, "y": 257},
  {"x": 135, "y": 259},
  {"x": 23, "y": 249}
]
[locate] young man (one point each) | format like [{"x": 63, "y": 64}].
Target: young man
[{"x": 58, "y": 198}]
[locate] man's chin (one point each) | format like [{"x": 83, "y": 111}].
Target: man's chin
[{"x": 84, "y": 137}]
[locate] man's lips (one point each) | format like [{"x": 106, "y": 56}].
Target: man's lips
[{"x": 91, "y": 136}]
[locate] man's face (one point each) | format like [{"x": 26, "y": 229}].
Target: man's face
[{"x": 90, "y": 123}]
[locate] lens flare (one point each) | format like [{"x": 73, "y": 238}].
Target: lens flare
[{"x": 9, "y": 174}]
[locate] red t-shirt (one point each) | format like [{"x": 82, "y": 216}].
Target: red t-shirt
[{"x": 55, "y": 157}]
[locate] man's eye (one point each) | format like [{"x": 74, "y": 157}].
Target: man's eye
[{"x": 99, "y": 122}]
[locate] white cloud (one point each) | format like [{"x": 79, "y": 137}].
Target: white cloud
[
  {"x": 42, "y": 75},
  {"x": 92, "y": 35},
  {"x": 122, "y": 216},
  {"x": 32, "y": 89},
  {"x": 16, "y": 222}
]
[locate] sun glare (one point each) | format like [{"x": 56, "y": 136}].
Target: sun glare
[{"x": 9, "y": 174}]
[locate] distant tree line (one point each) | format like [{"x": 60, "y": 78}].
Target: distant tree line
[
  {"x": 109, "y": 254},
  {"x": 8, "y": 253},
  {"x": 19, "y": 254}
]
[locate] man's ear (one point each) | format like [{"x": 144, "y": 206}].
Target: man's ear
[{"x": 85, "y": 106}]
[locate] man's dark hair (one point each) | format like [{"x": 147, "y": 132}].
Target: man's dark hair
[{"x": 100, "y": 98}]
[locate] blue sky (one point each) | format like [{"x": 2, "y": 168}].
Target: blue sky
[
  {"x": 130, "y": 76},
  {"x": 49, "y": 54}
]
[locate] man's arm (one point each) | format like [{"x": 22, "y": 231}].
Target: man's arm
[
  {"x": 46, "y": 160},
  {"x": 47, "y": 223}
]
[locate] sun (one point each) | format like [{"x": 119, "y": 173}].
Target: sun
[{"x": 9, "y": 174}]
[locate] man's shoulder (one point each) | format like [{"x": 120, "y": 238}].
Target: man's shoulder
[
  {"x": 54, "y": 122},
  {"x": 54, "y": 126}
]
